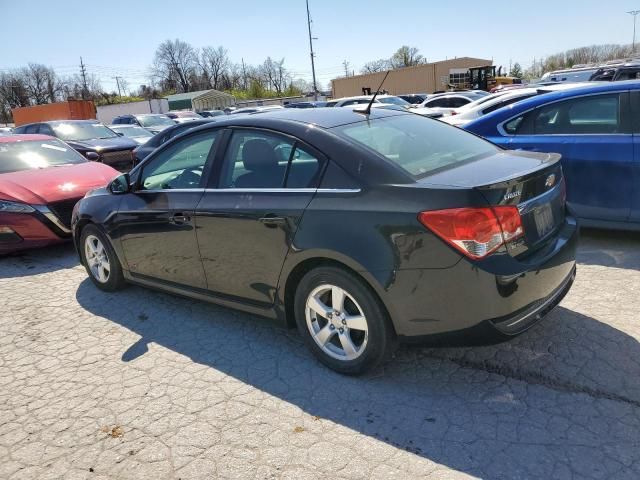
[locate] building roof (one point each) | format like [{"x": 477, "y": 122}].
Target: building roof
[{"x": 199, "y": 100}]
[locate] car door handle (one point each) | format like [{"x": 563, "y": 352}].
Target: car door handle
[
  {"x": 179, "y": 218},
  {"x": 272, "y": 221}
]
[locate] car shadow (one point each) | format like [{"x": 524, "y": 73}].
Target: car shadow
[
  {"x": 565, "y": 394},
  {"x": 38, "y": 261},
  {"x": 609, "y": 248}
]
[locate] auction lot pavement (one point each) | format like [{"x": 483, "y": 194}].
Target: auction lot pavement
[{"x": 141, "y": 384}]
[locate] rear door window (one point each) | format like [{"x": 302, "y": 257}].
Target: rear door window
[{"x": 596, "y": 114}]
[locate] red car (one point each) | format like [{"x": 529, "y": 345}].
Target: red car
[{"x": 41, "y": 179}]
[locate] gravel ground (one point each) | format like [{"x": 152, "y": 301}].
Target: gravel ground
[{"x": 141, "y": 384}]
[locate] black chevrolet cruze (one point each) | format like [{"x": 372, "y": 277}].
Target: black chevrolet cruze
[{"x": 360, "y": 228}]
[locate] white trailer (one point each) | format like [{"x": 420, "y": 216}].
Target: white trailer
[{"x": 106, "y": 113}]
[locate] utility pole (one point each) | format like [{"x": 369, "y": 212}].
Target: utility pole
[
  {"x": 244, "y": 76},
  {"x": 635, "y": 14},
  {"x": 83, "y": 73},
  {"x": 118, "y": 83},
  {"x": 313, "y": 66},
  {"x": 345, "y": 64}
]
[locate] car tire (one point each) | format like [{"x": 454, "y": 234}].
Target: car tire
[
  {"x": 100, "y": 260},
  {"x": 351, "y": 339}
]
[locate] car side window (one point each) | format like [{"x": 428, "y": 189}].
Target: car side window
[
  {"x": 31, "y": 128},
  {"x": 438, "y": 102},
  {"x": 597, "y": 114},
  {"x": 45, "y": 129},
  {"x": 256, "y": 159},
  {"x": 180, "y": 165},
  {"x": 458, "y": 102}
]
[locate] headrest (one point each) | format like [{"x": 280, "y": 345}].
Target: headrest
[{"x": 257, "y": 154}]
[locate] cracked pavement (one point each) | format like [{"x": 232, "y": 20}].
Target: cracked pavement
[{"x": 141, "y": 384}]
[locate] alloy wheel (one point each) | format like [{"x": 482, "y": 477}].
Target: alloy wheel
[
  {"x": 97, "y": 259},
  {"x": 336, "y": 322}
]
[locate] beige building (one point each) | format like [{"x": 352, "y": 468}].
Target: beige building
[{"x": 425, "y": 78}]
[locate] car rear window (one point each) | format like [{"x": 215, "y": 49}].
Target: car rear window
[{"x": 419, "y": 145}]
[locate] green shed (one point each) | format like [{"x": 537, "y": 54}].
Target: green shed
[{"x": 200, "y": 100}]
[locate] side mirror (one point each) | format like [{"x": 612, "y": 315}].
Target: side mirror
[
  {"x": 93, "y": 156},
  {"x": 120, "y": 184}
]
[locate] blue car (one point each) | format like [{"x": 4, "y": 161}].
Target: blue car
[{"x": 596, "y": 129}]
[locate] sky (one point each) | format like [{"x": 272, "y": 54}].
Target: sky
[{"x": 120, "y": 37}]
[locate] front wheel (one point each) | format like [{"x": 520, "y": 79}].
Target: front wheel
[
  {"x": 342, "y": 321},
  {"x": 100, "y": 260}
]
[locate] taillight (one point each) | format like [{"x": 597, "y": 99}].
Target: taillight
[{"x": 476, "y": 232}]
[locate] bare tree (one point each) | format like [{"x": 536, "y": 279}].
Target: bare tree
[
  {"x": 175, "y": 63},
  {"x": 214, "y": 63},
  {"x": 274, "y": 75},
  {"x": 376, "y": 66},
  {"x": 41, "y": 83}
]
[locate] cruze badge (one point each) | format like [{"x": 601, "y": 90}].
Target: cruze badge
[
  {"x": 551, "y": 181},
  {"x": 511, "y": 195}
]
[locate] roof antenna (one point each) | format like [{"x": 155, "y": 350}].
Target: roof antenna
[{"x": 367, "y": 111}]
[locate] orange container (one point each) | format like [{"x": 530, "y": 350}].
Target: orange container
[{"x": 69, "y": 110}]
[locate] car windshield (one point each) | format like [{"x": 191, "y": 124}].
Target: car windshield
[
  {"x": 82, "y": 131},
  {"x": 16, "y": 156},
  {"x": 155, "y": 121},
  {"x": 133, "y": 131},
  {"x": 418, "y": 145},
  {"x": 393, "y": 100}
]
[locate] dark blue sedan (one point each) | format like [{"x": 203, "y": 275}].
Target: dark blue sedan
[{"x": 596, "y": 129}]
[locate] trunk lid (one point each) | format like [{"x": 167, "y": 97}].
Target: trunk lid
[{"x": 531, "y": 181}]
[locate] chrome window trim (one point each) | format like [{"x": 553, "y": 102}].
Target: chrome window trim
[
  {"x": 43, "y": 209},
  {"x": 254, "y": 190},
  {"x": 504, "y": 133}
]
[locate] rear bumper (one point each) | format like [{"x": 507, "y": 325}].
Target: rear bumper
[
  {"x": 22, "y": 231},
  {"x": 504, "y": 294}
]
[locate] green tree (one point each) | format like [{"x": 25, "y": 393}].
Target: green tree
[{"x": 516, "y": 71}]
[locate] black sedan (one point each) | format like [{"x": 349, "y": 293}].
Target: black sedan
[
  {"x": 361, "y": 229},
  {"x": 90, "y": 138}
]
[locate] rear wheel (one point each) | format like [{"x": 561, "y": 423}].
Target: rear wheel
[
  {"x": 100, "y": 260},
  {"x": 342, "y": 321}
]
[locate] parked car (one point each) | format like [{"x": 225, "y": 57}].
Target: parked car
[
  {"x": 451, "y": 100},
  {"x": 617, "y": 73},
  {"x": 6, "y": 131},
  {"x": 300, "y": 105},
  {"x": 211, "y": 113},
  {"x": 414, "y": 98},
  {"x": 257, "y": 108},
  {"x": 360, "y": 229},
  {"x": 142, "y": 151},
  {"x": 346, "y": 101},
  {"x": 90, "y": 138},
  {"x": 41, "y": 179},
  {"x": 154, "y": 122},
  {"x": 134, "y": 132},
  {"x": 471, "y": 111},
  {"x": 570, "y": 75},
  {"x": 594, "y": 128},
  {"x": 182, "y": 116}
]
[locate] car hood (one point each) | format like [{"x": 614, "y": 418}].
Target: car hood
[
  {"x": 46, "y": 185},
  {"x": 103, "y": 144}
]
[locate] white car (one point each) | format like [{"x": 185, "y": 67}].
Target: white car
[
  {"x": 472, "y": 111},
  {"x": 449, "y": 101},
  {"x": 257, "y": 108},
  {"x": 388, "y": 99}
]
